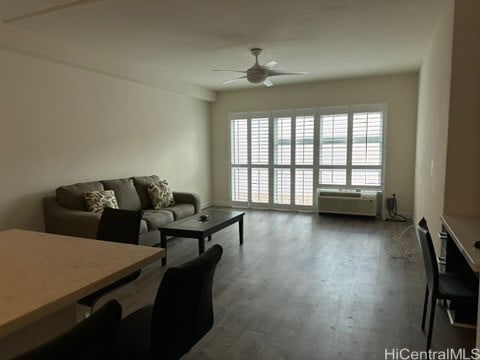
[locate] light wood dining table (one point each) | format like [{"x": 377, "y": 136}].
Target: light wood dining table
[{"x": 42, "y": 276}]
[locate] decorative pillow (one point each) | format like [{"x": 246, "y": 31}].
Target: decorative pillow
[
  {"x": 160, "y": 194},
  {"x": 99, "y": 200}
]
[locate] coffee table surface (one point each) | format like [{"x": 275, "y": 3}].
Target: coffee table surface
[{"x": 217, "y": 216}]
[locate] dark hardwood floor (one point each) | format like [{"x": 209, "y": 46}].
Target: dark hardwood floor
[{"x": 308, "y": 287}]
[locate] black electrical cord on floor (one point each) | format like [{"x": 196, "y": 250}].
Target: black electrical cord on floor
[
  {"x": 405, "y": 252},
  {"x": 392, "y": 211}
]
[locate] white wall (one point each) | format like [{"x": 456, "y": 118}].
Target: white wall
[
  {"x": 462, "y": 183},
  {"x": 399, "y": 91},
  {"x": 60, "y": 125},
  {"x": 433, "y": 118},
  {"x": 448, "y": 143}
]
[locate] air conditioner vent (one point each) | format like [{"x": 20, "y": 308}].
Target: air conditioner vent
[
  {"x": 347, "y": 202},
  {"x": 340, "y": 194}
]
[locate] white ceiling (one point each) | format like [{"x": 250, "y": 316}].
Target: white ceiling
[{"x": 187, "y": 39}]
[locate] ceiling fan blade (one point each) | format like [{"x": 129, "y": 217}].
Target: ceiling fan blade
[
  {"x": 270, "y": 64},
  {"x": 239, "y": 71},
  {"x": 233, "y": 80},
  {"x": 49, "y": 10},
  {"x": 280, "y": 72},
  {"x": 267, "y": 83}
]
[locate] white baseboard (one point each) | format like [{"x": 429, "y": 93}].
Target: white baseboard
[{"x": 206, "y": 205}]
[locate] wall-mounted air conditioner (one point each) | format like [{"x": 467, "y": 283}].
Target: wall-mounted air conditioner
[{"x": 348, "y": 202}]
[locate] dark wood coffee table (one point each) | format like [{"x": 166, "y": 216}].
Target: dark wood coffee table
[{"x": 193, "y": 227}]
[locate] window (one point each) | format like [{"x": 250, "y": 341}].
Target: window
[
  {"x": 279, "y": 159},
  {"x": 351, "y": 148}
]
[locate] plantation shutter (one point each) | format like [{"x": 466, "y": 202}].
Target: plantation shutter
[
  {"x": 239, "y": 159},
  {"x": 333, "y": 149},
  {"x": 239, "y": 184},
  {"x": 282, "y": 160},
  {"x": 304, "y": 187},
  {"x": 304, "y": 132},
  {"x": 304, "y": 147},
  {"x": 281, "y": 186},
  {"x": 367, "y": 148},
  {"x": 283, "y": 141},
  {"x": 259, "y": 135}
]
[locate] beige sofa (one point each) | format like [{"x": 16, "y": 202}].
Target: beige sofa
[{"x": 67, "y": 213}]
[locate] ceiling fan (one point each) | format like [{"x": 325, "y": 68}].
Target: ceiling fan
[{"x": 260, "y": 73}]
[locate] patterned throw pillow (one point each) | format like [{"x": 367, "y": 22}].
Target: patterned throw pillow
[
  {"x": 160, "y": 194},
  {"x": 99, "y": 200}
]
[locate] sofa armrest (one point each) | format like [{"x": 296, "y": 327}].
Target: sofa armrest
[
  {"x": 188, "y": 198},
  {"x": 64, "y": 221}
]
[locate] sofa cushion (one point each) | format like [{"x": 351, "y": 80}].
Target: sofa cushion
[
  {"x": 97, "y": 201},
  {"x": 71, "y": 196},
  {"x": 140, "y": 183},
  {"x": 156, "y": 218},
  {"x": 160, "y": 194},
  {"x": 125, "y": 192},
  {"x": 181, "y": 211}
]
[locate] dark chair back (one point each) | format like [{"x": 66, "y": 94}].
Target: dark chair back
[
  {"x": 90, "y": 339},
  {"x": 429, "y": 257},
  {"x": 183, "y": 311},
  {"x": 120, "y": 226}
]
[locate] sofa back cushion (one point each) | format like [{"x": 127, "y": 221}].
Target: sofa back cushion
[
  {"x": 141, "y": 183},
  {"x": 125, "y": 192},
  {"x": 71, "y": 196}
]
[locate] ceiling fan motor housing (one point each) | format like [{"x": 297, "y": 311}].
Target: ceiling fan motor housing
[{"x": 256, "y": 74}]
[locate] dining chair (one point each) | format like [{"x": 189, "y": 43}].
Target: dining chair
[
  {"x": 181, "y": 315},
  {"x": 90, "y": 339},
  {"x": 116, "y": 225},
  {"x": 445, "y": 286}
]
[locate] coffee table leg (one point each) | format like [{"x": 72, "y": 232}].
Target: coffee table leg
[
  {"x": 201, "y": 245},
  {"x": 240, "y": 228},
  {"x": 210, "y": 238},
  {"x": 163, "y": 244}
]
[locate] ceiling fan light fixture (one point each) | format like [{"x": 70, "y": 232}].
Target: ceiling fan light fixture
[{"x": 256, "y": 75}]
